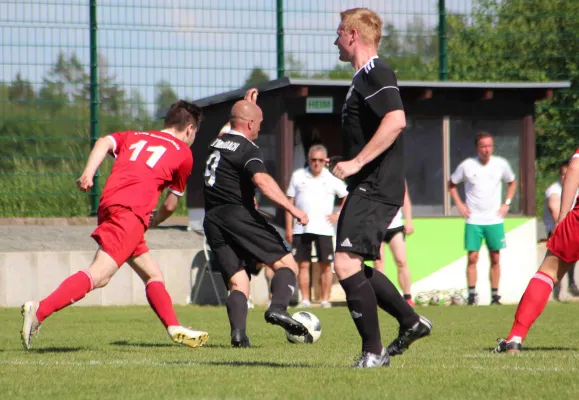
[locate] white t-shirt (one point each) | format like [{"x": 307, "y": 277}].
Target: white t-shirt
[
  {"x": 556, "y": 188},
  {"x": 315, "y": 196},
  {"x": 397, "y": 221},
  {"x": 482, "y": 185}
]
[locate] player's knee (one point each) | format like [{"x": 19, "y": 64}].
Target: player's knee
[
  {"x": 401, "y": 264},
  {"x": 472, "y": 259}
]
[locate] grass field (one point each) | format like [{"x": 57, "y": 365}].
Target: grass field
[{"x": 123, "y": 352}]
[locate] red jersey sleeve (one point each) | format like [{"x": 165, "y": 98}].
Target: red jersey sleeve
[
  {"x": 118, "y": 139},
  {"x": 177, "y": 185},
  {"x": 576, "y": 155}
]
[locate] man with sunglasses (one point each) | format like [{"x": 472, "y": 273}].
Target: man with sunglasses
[{"x": 313, "y": 189}]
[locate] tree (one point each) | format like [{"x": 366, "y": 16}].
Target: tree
[
  {"x": 65, "y": 82},
  {"x": 164, "y": 97},
  {"x": 20, "y": 90},
  {"x": 137, "y": 106},
  {"x": 257, "y": 75},
  {"x": 294, "y": 68}
]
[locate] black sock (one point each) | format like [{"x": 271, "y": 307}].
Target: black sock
[
  {"x": 362, "y": 305},
  {"x": 407, "y": 297},
  {"x": 283, "y": 285},
  {"x": 571, "y": 275},
  {"x": 389, "y": 299},
  {"x": 494, "y": 292},
  {"x": 471, "y": 291},
  {"x": 237, "y": 310}
]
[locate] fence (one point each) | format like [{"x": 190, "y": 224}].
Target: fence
[{"x": 75, "y": 70}]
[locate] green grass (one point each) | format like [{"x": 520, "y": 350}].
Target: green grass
[{"x": 123, "y": 352}]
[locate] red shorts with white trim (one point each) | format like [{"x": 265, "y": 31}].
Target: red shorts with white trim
[
  {"x": 120, "y": 233},
  {"x": 564, "y": 242}
]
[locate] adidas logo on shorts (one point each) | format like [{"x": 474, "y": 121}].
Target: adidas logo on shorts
[{"x": 346, "y": 243}]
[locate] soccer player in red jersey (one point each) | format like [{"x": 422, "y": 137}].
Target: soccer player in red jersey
[
  {"x": 145, "y": 164},
  {"x": 562, "y": 254}
]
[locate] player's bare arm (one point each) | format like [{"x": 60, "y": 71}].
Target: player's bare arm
[
  {"x": 462, "y": 208},
  {"x": 407, "y": 213},
  {"x": 511, "y": 188},
  {"x": 333, "y": 218},
  {"x": 167, "y": 209},
  {"x": 289, "y": 219},
  {"x": 570, "y": 185},
  {"x": 98, "y": 153},
  {"x": 270, "y": 189},
  {"x": 390, "y": 127}
]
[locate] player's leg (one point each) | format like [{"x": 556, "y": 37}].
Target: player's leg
[
  {"x": 379, "y": 262},
  {"x": 533, "y": 302},
  {"x": 325, "y": 252},
  {"x": 361, "y": 228},
  {"x": 71, "y": 290},
  {"x": 495, "y": 275},
  {"x": 268, "y": 277},
  {"x": 237, "y": 308},
  {"x": 473, "y": 236},
  {"x": 398, "y": 249},
  {"x": 495, "y": 239},
  {"x": 160, "y": 301},
  {"x": 573, "y": 290},
  {"x": 302, "y": 249},
  {"x": 562, "y": 253},
  {"x": 228, "y": 258}
]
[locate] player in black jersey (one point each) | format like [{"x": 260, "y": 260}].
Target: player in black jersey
[
  {"x": 372, "y": 121},
  {"x": 237, "y": 234}
]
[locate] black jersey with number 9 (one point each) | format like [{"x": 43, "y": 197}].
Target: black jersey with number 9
[{"x": 232, "y": 161}]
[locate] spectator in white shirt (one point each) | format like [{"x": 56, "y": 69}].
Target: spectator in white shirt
[{"x": 313, "y": 189}]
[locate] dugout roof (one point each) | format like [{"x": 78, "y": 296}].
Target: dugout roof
[{"x": 297, "y": 105}]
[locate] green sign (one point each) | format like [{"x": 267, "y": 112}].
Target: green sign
[{"x": 319, "y": 105}]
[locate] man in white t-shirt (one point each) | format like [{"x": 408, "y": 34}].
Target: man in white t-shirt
[
  {"x": 551, "y": 214},
  {"x": 484, "y": 211},
  {"x": 314, "y": 189},
  {"x": 395, "y": 239}
]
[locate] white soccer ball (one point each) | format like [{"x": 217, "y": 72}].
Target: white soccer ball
[
  {"x": 435, "y": 297},
  {"x": 311, "y": 322},
  {"x": 422, "y": 299},
  {"x": 458, "y": 299}
]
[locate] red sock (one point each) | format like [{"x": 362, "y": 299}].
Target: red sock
[
  {"x": 161, "y": 303},
  {"x": 532, "y": 304},
  {"x": 71, "y": 290}
]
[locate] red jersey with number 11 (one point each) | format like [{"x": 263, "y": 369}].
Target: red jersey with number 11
[{"x": 145, "y": 164}]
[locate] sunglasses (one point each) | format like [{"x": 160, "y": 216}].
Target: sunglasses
[{"x": 317, "y": 160}]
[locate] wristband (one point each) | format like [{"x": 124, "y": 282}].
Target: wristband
[{"x": 508, "y": 202}]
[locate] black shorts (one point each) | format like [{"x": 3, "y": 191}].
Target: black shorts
[
  {"x": 362, "y": 226},
  {"x": 302, "y": 247},
  {"x": 239, "y": 238},
  {"x": 390, "y": 233}
]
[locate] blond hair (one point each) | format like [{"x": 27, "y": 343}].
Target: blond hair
[{"x": 366, "y": 22}]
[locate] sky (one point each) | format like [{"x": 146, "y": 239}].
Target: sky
[{"x": 201, "y": 47}]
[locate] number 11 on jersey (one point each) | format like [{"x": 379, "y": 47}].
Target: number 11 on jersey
[
  {"x": 212, "y": 163},
  {"x": 157, "y": 151}
]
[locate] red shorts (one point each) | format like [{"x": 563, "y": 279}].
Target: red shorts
[
  {"x": 564, "y": 241},
  {"x": 120, "y": 233}
]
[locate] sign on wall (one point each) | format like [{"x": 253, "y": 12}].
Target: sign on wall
[{"x": 319, "y": 105}]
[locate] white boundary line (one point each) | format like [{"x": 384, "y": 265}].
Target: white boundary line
[{"x": 177, "y": 363}]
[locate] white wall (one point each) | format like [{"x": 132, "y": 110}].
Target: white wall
[{"x": 518, "y": 265}]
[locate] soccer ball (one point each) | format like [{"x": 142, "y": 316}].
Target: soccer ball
[
  {"x": 458, "y": 299},
  {"x": 311, "y": 322},
  {"x": 435, "y": 298},
  {"x": 444, "y": 298},
  {"x": 422, "y": 299}
]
